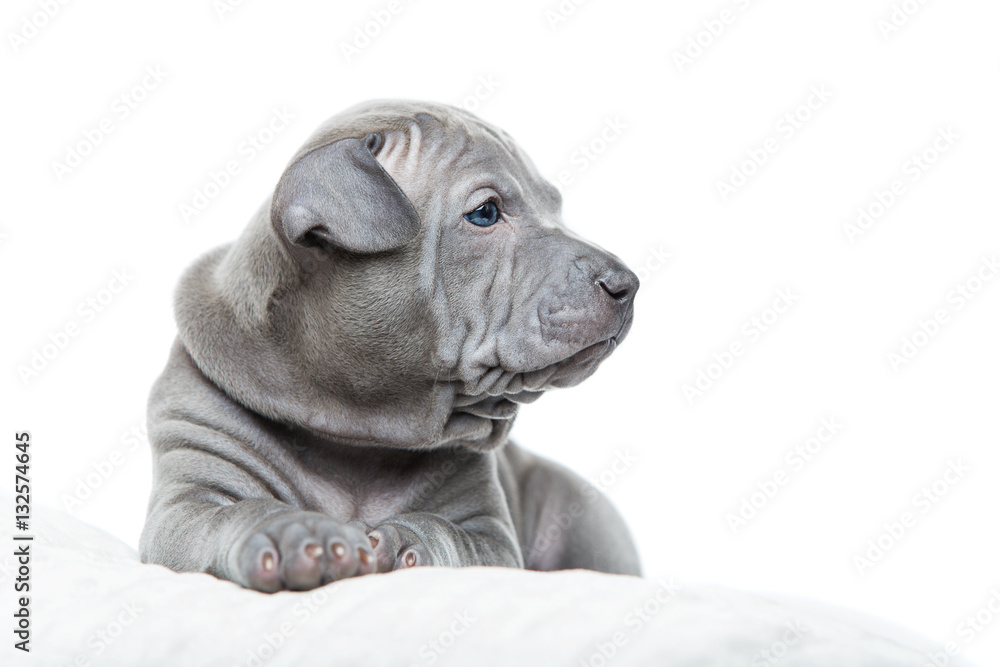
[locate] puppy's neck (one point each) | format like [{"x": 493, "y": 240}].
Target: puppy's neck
[{"x": 232, "y": 309}]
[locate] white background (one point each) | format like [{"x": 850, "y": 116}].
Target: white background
[{"x": 652, "y": 191}]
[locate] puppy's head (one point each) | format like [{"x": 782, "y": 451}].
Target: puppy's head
[{"x": 435, "y": 279}]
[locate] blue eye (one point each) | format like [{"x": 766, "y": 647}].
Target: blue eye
[{"x": 484, "y": 216}]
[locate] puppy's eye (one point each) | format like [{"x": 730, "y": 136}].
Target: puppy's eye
[{"x": 485, "y": 215}]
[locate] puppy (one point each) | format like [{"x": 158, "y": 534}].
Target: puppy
[{"x": 339, "y": 396}]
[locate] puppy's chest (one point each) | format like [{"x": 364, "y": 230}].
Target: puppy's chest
[
  {"x": 370, "y": 488},
  {"x": 364, "y": 502}
]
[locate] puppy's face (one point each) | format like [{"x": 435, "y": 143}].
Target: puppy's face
[
  {"x": 481, "y": 300},
  {"x": 525, "y": 304}
]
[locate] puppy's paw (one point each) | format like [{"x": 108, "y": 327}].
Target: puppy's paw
[
  {"x": 397, "y": 547},
  {"x": 302, "y": 551}
]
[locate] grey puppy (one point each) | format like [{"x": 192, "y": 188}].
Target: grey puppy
[{"x": 338, "y": 400}]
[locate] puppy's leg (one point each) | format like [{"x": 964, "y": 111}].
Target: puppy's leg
[
  {"x": 226, "y": 525},
  {"x": 415, "y": 539},
  {"x": 458, "y": 518},
  {"x": 564, "y": 522},
  {"x": 223, "y": 498}
]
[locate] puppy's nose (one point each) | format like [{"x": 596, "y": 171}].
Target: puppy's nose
[{"x": 620, "y": 283}]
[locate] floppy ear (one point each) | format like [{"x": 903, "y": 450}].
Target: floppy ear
[{"x": 340, "y": 196}]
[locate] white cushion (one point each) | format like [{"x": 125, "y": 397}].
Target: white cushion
[{"x": 94, "y": 603}]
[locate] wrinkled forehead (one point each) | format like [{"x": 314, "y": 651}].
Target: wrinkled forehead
[
  {"x": 462, "y": 155},
  {"x": 435, "y": 151}
]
